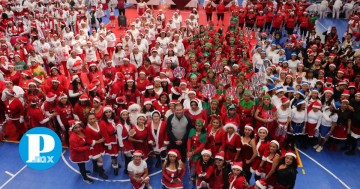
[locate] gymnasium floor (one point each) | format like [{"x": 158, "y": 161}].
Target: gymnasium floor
[{"x": 328, "y": 170}]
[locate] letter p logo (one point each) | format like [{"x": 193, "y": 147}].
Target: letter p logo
[{"x": 34, "y": 146}]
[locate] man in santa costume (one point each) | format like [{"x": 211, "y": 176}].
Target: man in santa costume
[
  {"x": 14, "y": 113},
  {"x": 134, "y": 111}
]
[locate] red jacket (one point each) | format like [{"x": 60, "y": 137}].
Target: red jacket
[
  {"x": 160, "y": 139},
  {"x": 79, "y": 149},
  {"x": 304, "y": 22}
]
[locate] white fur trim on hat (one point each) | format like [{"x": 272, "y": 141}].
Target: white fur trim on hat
[
  {"x": 206, "y": 152},
  {"x": 230, "y": 125},
  {"x": 172, "y": 153},
  {"x": 147, "y": 102},
  {"x": 107, "y": 108},
  {"x": 290, "y": 154},
  {"x": 149, "y": 87},
  {"x": 124, "y": 110},
  {"x": 136, "y": 153},
  {"x": 275, "y": 142},
  {"x": 249, "y": 127},
  {"x": 219, "y": 157},
  {"x": 134, "y": 106},
  {"x": 236, "y": 167},
  {"x": 258, "y": 184},
  {"x": 140, "y": 115},
  {"x": 263, "y": 128}
]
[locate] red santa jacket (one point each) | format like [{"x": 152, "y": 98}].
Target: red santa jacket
[
  {"x": 14, "y": 109},
  {"x": 79, "y": 149},
  {"x": 36, "y": 115},
  {"x": 160, "y": 139},
  {"x": 162, "y": 108}
]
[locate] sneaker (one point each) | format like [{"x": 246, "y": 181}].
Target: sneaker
[
  {"x": 319, "y": 149},
  {"x": 88, "y": 180},
  {"x": 316, "y": 146},
  {"x": 148, "y": 186}
]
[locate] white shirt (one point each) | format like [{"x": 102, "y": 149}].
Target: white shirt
[
  {"x": 90, "y": 53},
  {"x": 283, "y": 115},
  {"x": 314, "y": 117},
  {"x": 137, "y": 169},
  {"x": 298, "y": 117},
  {"x": 276, "y": 101},
  {"x": 118, "y": 57},
  {"x": 326, "y": 119},
  {"x": 70, "y": 62}
]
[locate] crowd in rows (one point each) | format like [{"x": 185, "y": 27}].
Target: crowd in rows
[{"x": 223, "y": 104}]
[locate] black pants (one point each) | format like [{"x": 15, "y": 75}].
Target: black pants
[
  {"x": 303, "y": 31},
  {"x": 267, "y": 25},
  {"x": 122, "y": 10},
  {"x": 100, "y": 20},
  {"x": 220, "y": 17},
  {"x": 274, "y": 30},
  {"x": 82, "y": 169},
  {"x": 261, "y": 28},
  {"x": 290, "y": 31},
  {"x": 208, "y": 16}
]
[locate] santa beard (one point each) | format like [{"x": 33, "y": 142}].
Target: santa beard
[{"x": 133, "y": 117}]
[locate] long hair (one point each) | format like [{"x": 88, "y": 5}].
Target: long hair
[
  {"x": 147, "y": 94},
  {"x": 143, "y": 110},
  {"x": 133, "y": 88},
  {"x": 122, "y": 121},
  {"x": 104, "y": 118},
  {"x": 167, "y": 100},
  {"x": 293, "y": 165},
  {"x": 75, "y": 85}
]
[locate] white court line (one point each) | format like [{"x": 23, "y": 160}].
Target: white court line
[
  {"x": 327, "y": 170},
  {"x": 2, "y": 186},
  {"x": 7, "y": 172},
  {"x": 95, "y": 178},
  {"x": 318, "y": 22}
]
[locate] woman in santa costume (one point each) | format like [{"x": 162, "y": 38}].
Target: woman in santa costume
[
  {"x": 342, "y": 127},
  {"x": 232, "y": 143},
  {"x": 173, "y": 171},
  {"x": 204, "y": 169},
  {"x": 248, "y": 150},
  {"x": 139, "y": 134},
  {"x": 216, "y": 135},
  {"x": 79, "y": 149},
  {"x": 75, "y": 89},
  {"x": 314, "y": 116},
  {"x": 236, "y": 177},
  {"x": 14, "y": 113},
  {"x": 130, "y": 91},
  {"x": 161, "y": 104},
  {"x": 95, "y": 135},
  {"x": 97, "y": 108},
  {"x": 220, "y": 179},
  {"x": 64, "y": 112},
  {"x": 271, "y": 162},
  {"x": 196, "y": 112},
  {"x": 36, "y": 115},
  {"x": 262, "y": 150},
  {"x": 138, "y": 171},
  {"x": 122, "y": 130},
  {"x": 111, "y": 146},
  {"x": 283, "y": 121},
  {"x": 158, "y": 137}
]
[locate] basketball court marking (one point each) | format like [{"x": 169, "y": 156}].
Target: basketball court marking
[
  {"x": 12, "y": 176},
  {"x": 95, "y": 178},
  {"x": 318, "y": 22},
  {"x": 327, "y": 170}
]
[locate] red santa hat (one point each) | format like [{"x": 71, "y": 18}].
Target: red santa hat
[
  {"x": 248, "y": 126},
  {"x": 130, "y": 79},
  {"x": 328, "y": 90},
  {"x": 230, "y": 125},
  {"x": 50, "y": 97},
  {"x": 108, "y": 108},
  {"x": 120, "y": 100},
  {"x": 284, "y": 100},
  {"x": 97, "y": 99},
  {"x": 206, "y": 151},
  {"x": 261, "y": 184},
  {"x": 10, "y": 92},
  {"x": 345, "y": 93},
  {"x": 174, "y": 102},
  {"x": 183, "y": 82},
  {"x": 352, "y": 85},
  {"x": 220, "y": 155},
  {"x": 316, "y": 105},
  {"x": 138, "y": 153},
  {"x": 32, "y": 83},
  {"x": 237, "y": 165},
  {"x": 72, "y": 124},
  {"x": 174, "y": 152},
  {"x": 148, "y": 87},
  {"x": 275, "y": 142},
  {"x": 74, "y": 77},
  {"x": 38, "y": 79},
  {"x": 84, "y": 97},
  {"x": 341, "y": 71},
  {"x": 11, "y": 65},
  {"x": 342, "y": 82},
  {"x": 147, "y": 101},
  {"x": 62, "y": 96},
  {"x": 8, "y": 80},
  {"x": 163, "y": 71}
]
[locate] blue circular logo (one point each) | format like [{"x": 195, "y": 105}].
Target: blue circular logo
[{"x": 40, "y": 148}]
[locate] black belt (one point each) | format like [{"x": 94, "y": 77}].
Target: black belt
[
  {"x": 218, "y": 143},
  {"x": 298, "y": 124},
  {"x": 230, "y": 149}
]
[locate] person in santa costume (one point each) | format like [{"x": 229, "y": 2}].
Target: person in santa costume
[
  {"x": 342, "y": 128},
  {"x": 36, "y": 115},
  {"x": 64, "y": 112},
  {"x": 138, "y": 171},
  {"x": 236, "y": 177},
  {"x": 314, "y": 116},
  {"x": 161, "y": 104},
  {"x": 79, "y": 149},
  {"x": 265, "y": 115},
  {"x": 173, "y": 170},
  {"x": 158, "y": 138},
  {"x": 262, "y": 150},
  {"x": 195, "y": 112},
  {"x": 111, "y": 146},
  {"x": 122, "y": 130},
  {"x": 283, "y": 121},
  {"x": 14, "y": 113},
  {"x": 247, "y": 110},
  {"x": 204, "y": 169},
  {"x": 139, "y": 134},
  {"x": 286, "y": 172},
  {"x": 95, "y": 135},
  {"x": 271, "y": 162},
  {"x": 248, "y": 150},
  {"x": 232, "y": 143},
  {"x": 216, "y": 135}
]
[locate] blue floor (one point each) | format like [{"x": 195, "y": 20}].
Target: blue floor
[{"x": 342, "y": 172}]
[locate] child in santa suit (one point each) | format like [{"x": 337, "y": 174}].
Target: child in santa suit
[
  {"x": 204, "y": 169},
  {"x": 236, "y": 177},
  {"x": 138, "y": 171}
]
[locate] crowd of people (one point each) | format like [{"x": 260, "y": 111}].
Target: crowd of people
[{"x": 223, "y": 104}]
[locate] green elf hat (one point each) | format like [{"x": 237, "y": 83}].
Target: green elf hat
[
  {"x": 208, "y": 45},
  {"x": 199, "y": 122},
  {"x": 248, "y": 64},
  {"x": 232, "y": 39},
  {"x": 202, "y": 26},
  {"x": 241, "y": 74},
  {"x": 194, "y": 65},
  {"x": 247, "y": 92},
  {"x": 221, "y": 83},
  {"x": 266, "y": 96},
  {"x": 215, "y": 101},
  {"x": 240, "y": 85},
  {"x": 192, "y": 76},
  {"x": 224, "y": 59},
  {"x": 191, "y": 55},
  {"x": 210, "y": 71}
]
